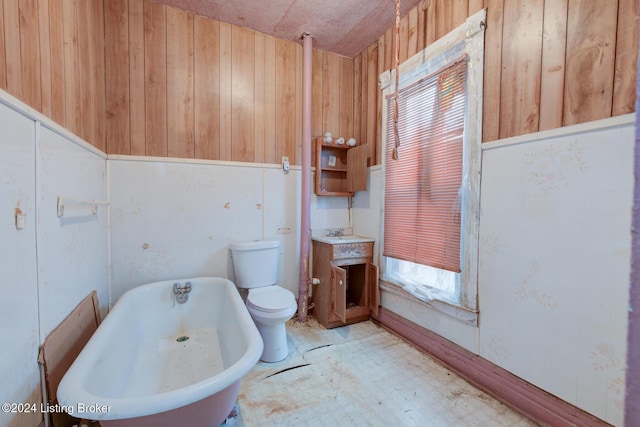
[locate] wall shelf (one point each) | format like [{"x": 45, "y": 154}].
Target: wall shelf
[{"x": 341, "y": 170}]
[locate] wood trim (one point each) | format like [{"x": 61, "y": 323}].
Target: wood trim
[
  {"x": 529, "y": 400},
  {"x": 13, "y": 61},
  {"x": 590, "y": 60},
  {"x": 207, "y": 88},
  {"x": 72, "y": 88},
  {"x": 624, "y": 82},
  {"x": 492, "y": 70},
  {"x": 554, "y": 40},
  {"x": 3, "y": 53},
  {"x": 155, "y": 79},
  {"x": 30, "y": 48},
  {"x": 136, "y": 78},
  {"x": 521, "y": 68},
  {"x": 45, "y": 57},
  {"x": 179, "y": 88},
  {"x": 56, "y": 45},
  {"x": 117, "y": 77}
]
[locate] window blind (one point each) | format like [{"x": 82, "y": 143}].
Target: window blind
[{"x": 422, "y": 219}]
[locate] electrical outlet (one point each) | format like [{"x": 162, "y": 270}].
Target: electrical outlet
[{"x": 284, "y": 229}]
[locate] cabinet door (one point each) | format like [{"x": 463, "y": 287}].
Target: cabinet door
[
  {"x": 357, "y": 168},
  {"x": 339, "y": 288},
  {"x": 374, "y": 287}
]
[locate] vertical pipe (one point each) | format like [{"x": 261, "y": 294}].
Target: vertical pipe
[{"x": 305, "y": 221}]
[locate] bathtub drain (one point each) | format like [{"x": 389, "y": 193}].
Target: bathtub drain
[{"x": 182, "y": 338}]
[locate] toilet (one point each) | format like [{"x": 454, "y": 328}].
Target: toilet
[{"x": 255, "y": 265}]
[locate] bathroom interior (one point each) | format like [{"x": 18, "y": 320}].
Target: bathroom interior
[{"x": 183, "y": 123}]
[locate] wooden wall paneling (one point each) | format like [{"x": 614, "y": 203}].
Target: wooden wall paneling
[
  {"x": 331, "y": 94},
  {"x": 553, "y": 70},
  {"x": 56, "y": 44},
  {"x": 155, "y": 79},
  {"x": 389, "y": 47},
  {"x": 45, "y": 57},
  {"x": 624, "y": 94},
  {"x": 364, "y": 91},
  {"x": 382, "y": 52},
  {"x": 180, "y": 115},
  {"x": 242, "y": 91},
  {"x": 317, "y": 123},
  {"x": 475, "y": 6},
  {"x": 430, "y": 22},
  {"x": 421, "y": 9},
  {"x": 373, "y": 102},
  {"x": 225, "y": 91},
  {"x": 3, "y": 53},
  {"x": 444, "y": 19},
  {"x": 459, "y": 13},
  {"x": 12, "y": 47},
  {"x": 413, "y": 42},
  {"x": 270, "y": 101},
  {"x": 207, "y": 87},
  {"x": 591, "y": 35},
  {"x": 72, "y": 85},
  {"x": 346, "y": 98},
  {"x": 285, "y": 99},
  {"x": 357, "y": 97},
  {"x": 85, "y": 52},
  {"x": 136, "y": 78},
  {"x": 298, "y": 106},
  {"x": 259, "y": 85},
  {"x": 98, "y": 87},
  {"x": 30, "y": 50},
  {"x": 117, "y": 82},
  {"x": 404, "y": 38},
  {"x": 521, "y": 67},
  {"x": 492, "y": 71}
]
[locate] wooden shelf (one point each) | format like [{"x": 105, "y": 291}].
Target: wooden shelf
[{"x": 340, "y": 170}]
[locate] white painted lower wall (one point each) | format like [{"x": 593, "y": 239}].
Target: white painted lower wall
[
  {"x": 175, "y": 218},
  {"x": 554, "y": 262},
  {"x": 52, "y": 263}
]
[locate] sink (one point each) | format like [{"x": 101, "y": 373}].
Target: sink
[{"x": 336, "y": 240}]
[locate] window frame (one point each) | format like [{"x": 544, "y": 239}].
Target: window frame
[{"x": 467, "y": 39}]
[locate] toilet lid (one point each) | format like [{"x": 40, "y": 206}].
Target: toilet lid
[{"x": 271, "y": 298}]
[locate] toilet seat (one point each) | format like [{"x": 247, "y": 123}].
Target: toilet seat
[{"x": 270, "y": 299}]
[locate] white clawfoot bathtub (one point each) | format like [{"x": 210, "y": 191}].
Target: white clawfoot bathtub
[{"x": 155, "y": 362}]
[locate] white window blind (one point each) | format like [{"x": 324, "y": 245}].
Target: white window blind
[{"x": 422, "y": 207}]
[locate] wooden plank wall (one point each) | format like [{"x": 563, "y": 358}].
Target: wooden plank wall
[
  {"x": 136, "y": 77},
  {"x": 51, "y": 58},
  {"x": 548, "y": 64},
  {"x": 186, "y": 86}
]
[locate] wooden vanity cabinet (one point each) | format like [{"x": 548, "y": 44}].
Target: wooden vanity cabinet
[{"x": 348, "y": 289}]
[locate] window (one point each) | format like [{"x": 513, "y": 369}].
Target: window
[{"x": 431, "y": 190}]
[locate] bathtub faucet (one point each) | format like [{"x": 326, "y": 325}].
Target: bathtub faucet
[{"x": 182, "y": 292}]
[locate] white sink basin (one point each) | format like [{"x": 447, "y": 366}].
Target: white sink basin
[{"x": 336, "y": 240}]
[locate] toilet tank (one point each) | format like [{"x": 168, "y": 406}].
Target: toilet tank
[{"x": 255, "y": 263}]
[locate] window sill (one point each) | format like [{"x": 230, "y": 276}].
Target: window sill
[{"x": 456, "y": 311}]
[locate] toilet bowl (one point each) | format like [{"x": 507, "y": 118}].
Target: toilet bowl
[
  {"x": 255, "y": 265},
  {"x": 270, "y": 307}
]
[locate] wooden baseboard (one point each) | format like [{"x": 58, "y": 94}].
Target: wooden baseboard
[{"x": 531, "y": 401}]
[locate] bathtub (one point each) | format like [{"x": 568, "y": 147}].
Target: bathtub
[{"x": 155, "y": 362}]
